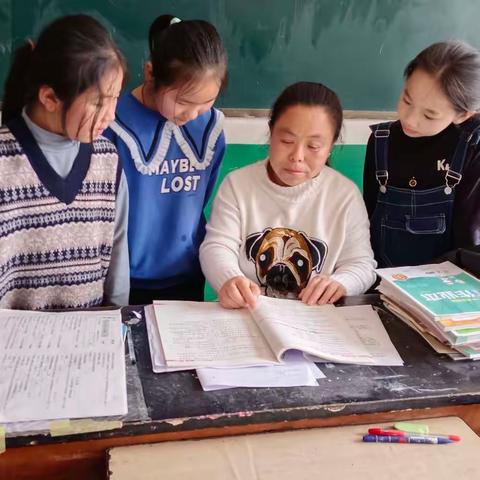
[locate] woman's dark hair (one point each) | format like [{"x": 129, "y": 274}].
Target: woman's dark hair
[
  {"x": 309, "y": 94},
  {"x": 71, "y": 55},
  {"x": 456, "y": 66},
  {"x": 181, "y": 51}
]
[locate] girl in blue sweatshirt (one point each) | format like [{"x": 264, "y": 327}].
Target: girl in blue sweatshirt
[{"x": 171, "y": 141}]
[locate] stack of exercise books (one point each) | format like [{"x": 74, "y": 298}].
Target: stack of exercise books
[
  {"x": 274, "y": 344},
  {"x": 440, "y": 301}
]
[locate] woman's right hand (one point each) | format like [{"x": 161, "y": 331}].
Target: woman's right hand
[{"x": 238, "y": 292}]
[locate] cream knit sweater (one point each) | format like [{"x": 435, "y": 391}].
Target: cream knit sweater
[{"x": 327, "y": 210}]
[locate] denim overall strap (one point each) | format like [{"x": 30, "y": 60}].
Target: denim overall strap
[
  {"x": 469, "y": 137},
  {"x": 381, "y": 133}
]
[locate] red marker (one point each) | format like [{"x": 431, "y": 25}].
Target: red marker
[{"x": 400, "y": 433}]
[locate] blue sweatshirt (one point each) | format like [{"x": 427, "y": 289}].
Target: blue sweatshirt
[{"x": 171, "y": 172}]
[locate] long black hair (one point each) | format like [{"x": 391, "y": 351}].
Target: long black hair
[
  {"x": 181, "y": 51},
  {"x": 72, "y": 54},
  {"x": 456, "y": 66}
]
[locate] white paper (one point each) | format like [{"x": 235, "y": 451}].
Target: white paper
[
  {"x": 204, "y": 334},
  {"x": 61, "y": 365},
  {"x": 314, "y": 329},
  {"x": 23, "y": 427},
  {"x": 159, "y": 364},
  {"x": 317, "y": 373},
  {"x": 296, "y": 371},
  {"x": 367, "y": 325}
]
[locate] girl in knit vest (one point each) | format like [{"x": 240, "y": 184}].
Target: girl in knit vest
[{"x": 63, "y": 197}]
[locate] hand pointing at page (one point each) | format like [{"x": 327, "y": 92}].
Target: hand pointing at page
[{"x": 238, "y": 292}]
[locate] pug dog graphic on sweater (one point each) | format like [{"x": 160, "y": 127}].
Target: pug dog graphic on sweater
[{"x": 284, "y": 260}]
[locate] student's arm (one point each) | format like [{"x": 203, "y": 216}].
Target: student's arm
[
  {"x": 466, "y": 210},
  {"x": 466, "y": 219},
  {"x": 219, "y": 252},
  {"x": 370, "y": 184},
  {"x": 355, "y": 265},
  {"x": 117, "y": 283}
]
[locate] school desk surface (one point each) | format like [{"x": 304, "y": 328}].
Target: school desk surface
[
  {"x": 428, "y": 385},
  {"x": 315, "y": 453}
]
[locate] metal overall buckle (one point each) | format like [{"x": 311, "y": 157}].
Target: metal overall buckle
[
  {"x": 381, "y": 133},
  {"x": 455, "y": 177},
  {"x": 382, "y": 179}
]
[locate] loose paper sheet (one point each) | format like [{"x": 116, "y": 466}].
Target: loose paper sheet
[
  {"x": 61, "y": 365},
  {"x": 157, "y": 356},
  {"x": 295, "y": 372}
]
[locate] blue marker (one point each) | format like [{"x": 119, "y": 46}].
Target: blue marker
[{"x": 406, "y": 439}]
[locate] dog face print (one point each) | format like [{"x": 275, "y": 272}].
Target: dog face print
[{"x": 284, "y": 259}]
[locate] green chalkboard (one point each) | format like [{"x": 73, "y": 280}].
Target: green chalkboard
[{"x": 357, "y": 47}]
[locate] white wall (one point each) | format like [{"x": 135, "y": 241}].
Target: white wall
[{"x": 254, "y": 130}]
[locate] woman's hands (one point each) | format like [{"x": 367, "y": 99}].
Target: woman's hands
[
  {"x": 322, "y": 289},
  {"x": 241, "y": 292},
  {"x": 238, "y": 292}
]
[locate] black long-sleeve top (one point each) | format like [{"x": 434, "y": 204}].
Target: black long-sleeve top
[{"x": 426, "y": 159}]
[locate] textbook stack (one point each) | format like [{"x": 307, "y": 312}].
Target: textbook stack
[{"x": 440, "y": 301}]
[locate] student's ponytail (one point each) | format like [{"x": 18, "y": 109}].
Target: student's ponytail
[
  {"x": 16, "y": 83},
  {"x": 183, "y": 50}
]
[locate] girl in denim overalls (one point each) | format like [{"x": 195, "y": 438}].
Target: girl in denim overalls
[{"x": 422, "y": 172}]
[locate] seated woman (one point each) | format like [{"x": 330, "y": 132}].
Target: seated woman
[{"x": 290, "y": 226}]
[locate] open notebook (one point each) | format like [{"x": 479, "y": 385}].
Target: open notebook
[{"x": 197, "y": 334}]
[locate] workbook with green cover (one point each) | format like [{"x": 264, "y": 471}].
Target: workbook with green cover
[
  {"x": 442, "y": 290},
  {"x": 442, "y": 298}
]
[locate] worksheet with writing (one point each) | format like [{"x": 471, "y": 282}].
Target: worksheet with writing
[
  {"x": 61, "y": 365},
  {"x": 366, "y": 323},
  {"x": 201, "y": 334},
  {"x": 314, "y": 329}
]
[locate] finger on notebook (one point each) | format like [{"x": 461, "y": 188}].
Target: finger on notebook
[
  {"x": 338, "y": 294},
  {"x": 236, "y": 294},
  {"x": 229, "y": 295},
  {"x": 255, "y": 289},
  {"x": 311, "y": 285},
  {"x": 328, "y": 293},
  {"x": 315, "y": 290},
  {"x": 226, "y": 301},
  {"x": 248, "y": 297}
]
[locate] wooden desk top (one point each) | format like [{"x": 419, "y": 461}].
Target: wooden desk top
[{"x": 336, "y": 452}]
